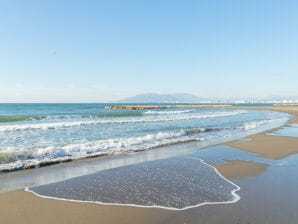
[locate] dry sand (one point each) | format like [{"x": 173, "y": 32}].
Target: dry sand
[{"x": 26, "y": 208}]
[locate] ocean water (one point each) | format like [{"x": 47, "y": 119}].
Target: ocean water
[
  {"x": 33, "y": 135},
  {"x": 176, "y": 183}
]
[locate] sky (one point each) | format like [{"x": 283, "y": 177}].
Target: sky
[{"x": 99, "y": 51}]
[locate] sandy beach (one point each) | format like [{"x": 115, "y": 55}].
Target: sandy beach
[
  {"x": 148, "y": 112},
  {"x": 258, "y": 204},
  {"x": 273, "y": 147}
]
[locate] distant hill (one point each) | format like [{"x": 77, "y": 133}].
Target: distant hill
[{"x": 162, "y": 98}]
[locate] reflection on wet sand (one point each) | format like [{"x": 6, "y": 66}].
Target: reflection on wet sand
[
  {"x": 237, "y": 168},
  {"x": 176, "y": 183},
  {"x": 273, "y": 147}
]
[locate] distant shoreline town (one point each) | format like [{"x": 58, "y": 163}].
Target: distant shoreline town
[{"x": 193, "y": 99}]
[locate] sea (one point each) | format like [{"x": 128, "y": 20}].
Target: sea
[{"x": 36, "y": 135}]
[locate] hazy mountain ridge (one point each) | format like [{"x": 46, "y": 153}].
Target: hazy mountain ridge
[
  {"x": 190, "y": 98},
  {"x": 162, "y": 98}
]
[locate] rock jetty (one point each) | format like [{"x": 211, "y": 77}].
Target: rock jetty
[{"x": 156, "y": 107}]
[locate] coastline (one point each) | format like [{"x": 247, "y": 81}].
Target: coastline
[{"x": 24, "y": 207}]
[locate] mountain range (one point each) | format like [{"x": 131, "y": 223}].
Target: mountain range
[
  {"x": 162, "y": 98},
  {"x": 190, "y": 98}
]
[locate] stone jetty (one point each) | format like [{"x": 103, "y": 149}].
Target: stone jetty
[{"x": 156, "y": 107}]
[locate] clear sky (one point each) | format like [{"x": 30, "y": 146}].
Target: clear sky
[{"x": 96, "y": 51}]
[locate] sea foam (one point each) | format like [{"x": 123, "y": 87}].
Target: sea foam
[
  {"x": 34, "y": 157},
  {"x": 151, "y": 112},
  {"x": 64, "y": 124}
]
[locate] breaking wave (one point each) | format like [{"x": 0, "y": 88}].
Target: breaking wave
[
  {"x": 40, "y": 156},
  {"x": 255, "y": 124},
  {"x": 63, "y": 124},
  {"x": 15, "y": 159},
  {"x": 154, "y": 112}
]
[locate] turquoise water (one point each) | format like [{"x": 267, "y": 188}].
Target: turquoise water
[{"x": 33, "y": 135}]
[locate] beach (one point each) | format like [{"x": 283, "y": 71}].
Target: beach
[
  {"x": 264, "y": 197},
  {"x": 148, "y": 112}
]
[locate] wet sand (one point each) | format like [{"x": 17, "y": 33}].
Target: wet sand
[
  {"x": 268, "y": 194},
  {"x": 237, "y": 168},
  {"x": 273, "y": 147},
  {"x": 24, "y": 207}
]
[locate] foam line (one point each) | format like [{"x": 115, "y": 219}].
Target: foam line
[
  {"x": 76, "y": 151},
  {"x": 255, "y": 124},
  {"x": 151, "y": 112},
  {"x": 54, "y": 154},
  {"x": 235, "y": 197},
  {"x": 54, "y": 125}
]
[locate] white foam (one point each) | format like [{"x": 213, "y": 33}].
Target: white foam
[
  {"x": 63, "y": 124},
  {"x": 95, "y": 148},
  {"x": 118, "y": 144},
  {"x": 152, "y": 112},
  {"x": 256, "y": 124}
]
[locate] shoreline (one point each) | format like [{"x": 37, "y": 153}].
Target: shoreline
[
  {"x": 91, "y": 213},
  {"x": 235, "y": 197},
  {"x": 56, "y": 161}
]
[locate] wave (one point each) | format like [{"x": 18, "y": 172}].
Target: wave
[
  {"x": 15, "y": 118},
  {"x": 116, "y": 114},
  {"x": 21, "y": 158},
  {"x": 255, "y": 124},
  {"x": 154, "y": 112},
  {"x": 65, "y": 118},
  {"x": 28, "y": 158},
  {"x": 63, "y": 124}
]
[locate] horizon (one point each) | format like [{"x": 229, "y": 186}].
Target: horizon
[
  {"x": 96, "y": 51},
  {"x": 251, "y": 100}
]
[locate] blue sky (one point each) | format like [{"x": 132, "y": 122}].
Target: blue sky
[{"x": 96, "y": 51}]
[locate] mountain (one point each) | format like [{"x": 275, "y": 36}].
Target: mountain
[{"x": 162, "y": 98}]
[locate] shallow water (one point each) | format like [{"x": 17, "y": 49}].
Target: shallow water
[{"x": 176, "y": 183}]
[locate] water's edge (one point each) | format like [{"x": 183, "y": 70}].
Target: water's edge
[{"x": 62, "y": 171}]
